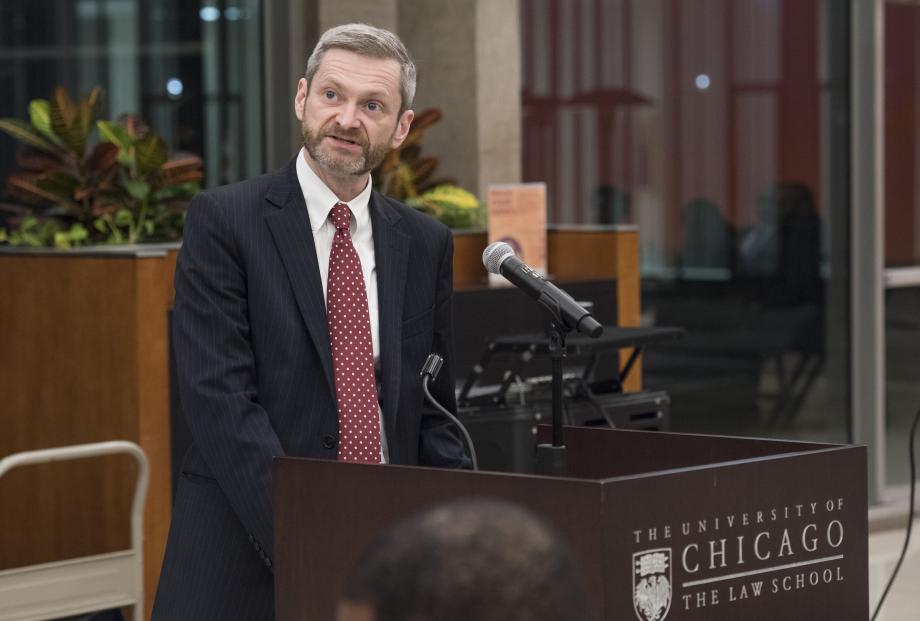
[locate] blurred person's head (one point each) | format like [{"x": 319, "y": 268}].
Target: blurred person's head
[{"x": 470, "y": 560}]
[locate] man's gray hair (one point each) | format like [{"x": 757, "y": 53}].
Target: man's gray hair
[{"x": 369, "y": 41}]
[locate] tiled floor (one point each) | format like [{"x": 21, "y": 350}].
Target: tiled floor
[{"x": 903, "y": 601}]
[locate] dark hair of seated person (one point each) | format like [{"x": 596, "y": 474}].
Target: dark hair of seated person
[{"x": 469, "y": 560}]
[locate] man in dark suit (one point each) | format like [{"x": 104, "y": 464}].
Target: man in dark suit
[{"x": 305, "y": 307}]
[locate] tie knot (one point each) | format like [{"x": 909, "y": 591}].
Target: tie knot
[{"x": 341, "y": 216}]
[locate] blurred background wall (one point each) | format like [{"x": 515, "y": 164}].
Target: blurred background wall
[{"x": 727, "y": 130}]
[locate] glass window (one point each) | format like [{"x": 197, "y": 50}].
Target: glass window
[
  {"x": 191, "y": 70},
  {"x": 902, "y": 229},
  {"x": 720, "y": 128}
]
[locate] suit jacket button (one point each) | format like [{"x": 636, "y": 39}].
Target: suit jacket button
[
  {"x": 251, "y": 539},
  {"x": 258, "y": 547},
  {"x": 329, "y": 442},
  {"x": 268, "y": 562}
]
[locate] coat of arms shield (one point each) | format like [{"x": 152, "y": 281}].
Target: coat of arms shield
[{"x": 652, "y": 584}]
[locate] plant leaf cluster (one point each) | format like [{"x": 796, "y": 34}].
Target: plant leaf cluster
[
  {"x": 122, "y": 188},
  {"x": 408, "y": 176}
]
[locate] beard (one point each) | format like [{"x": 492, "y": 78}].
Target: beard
[{"x": 341, "y": 164}]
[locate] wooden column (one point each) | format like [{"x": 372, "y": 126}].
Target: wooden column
[
  {"x": 587, "y": 253},
  {"x": 84, "y": 358}
]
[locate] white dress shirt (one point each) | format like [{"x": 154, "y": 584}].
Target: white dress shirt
[{"x": 320, "y": 201}]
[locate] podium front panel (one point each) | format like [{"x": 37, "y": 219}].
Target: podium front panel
[
  {"x": 723, "y": 529},
  {"x": 764, "y": 539},
  {"x": 327, "y": 512}
]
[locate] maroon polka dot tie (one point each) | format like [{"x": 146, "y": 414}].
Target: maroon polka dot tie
[{"x": 352, "y": 348}]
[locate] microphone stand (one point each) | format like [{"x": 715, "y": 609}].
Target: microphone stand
[{"x": 551, "y": 458}]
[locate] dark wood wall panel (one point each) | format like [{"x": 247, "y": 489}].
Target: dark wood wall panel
[{"x": 83, "y": 359}]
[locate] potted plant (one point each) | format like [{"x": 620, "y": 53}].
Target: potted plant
[{"x": 121, "y": 189}]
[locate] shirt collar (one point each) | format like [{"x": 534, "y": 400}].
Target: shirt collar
[{"x": 320, "y": 199}]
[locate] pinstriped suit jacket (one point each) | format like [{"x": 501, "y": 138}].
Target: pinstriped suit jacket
[{"x": 256, "y": 381}]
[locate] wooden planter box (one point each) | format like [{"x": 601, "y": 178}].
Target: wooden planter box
[{"x": 84, "y": 358}]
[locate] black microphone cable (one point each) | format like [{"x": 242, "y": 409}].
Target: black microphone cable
[
  {"x": 430, "y": 371},
  {"x": 910, "y": 514}
]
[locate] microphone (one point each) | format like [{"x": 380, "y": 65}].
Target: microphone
[
  {"x": 499, "y": 258},
  {"x": 430, "y": 371}
]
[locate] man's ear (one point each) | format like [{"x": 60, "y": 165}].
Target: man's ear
[
  {"x": 402, "y": 128},
  {"x": 300, "y": 99}
]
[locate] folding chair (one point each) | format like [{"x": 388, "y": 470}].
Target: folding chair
[{"x": 85, "y": 584}]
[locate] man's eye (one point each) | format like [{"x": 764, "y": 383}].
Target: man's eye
[
  {"x": 330, "y": 94},
  {"x": 373, "y": 106}
]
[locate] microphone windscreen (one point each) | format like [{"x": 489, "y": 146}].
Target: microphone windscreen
[
  {"x": 432, "y": 366},
  {"x": 493, "y": 255}
]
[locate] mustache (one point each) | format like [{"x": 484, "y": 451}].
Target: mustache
[{"x": 352, "y": 135}]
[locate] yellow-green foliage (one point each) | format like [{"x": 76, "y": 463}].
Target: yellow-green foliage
[
  {"x": 450, "y": 204},
  {"x": 407, "y": 175}
]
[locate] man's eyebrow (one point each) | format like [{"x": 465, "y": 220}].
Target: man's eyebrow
[
  {"x": 328, "y": 81},
  {"x": 373, "y": 94}
]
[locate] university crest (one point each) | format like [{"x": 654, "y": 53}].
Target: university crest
[{"x": 652, "y": 584}]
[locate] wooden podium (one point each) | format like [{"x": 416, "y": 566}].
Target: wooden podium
[{"x": 738, "y": 528}]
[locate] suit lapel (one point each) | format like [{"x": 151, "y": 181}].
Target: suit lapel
[
  {"x": 391, "y": 252},
  {"x": 289, "y": 224}
]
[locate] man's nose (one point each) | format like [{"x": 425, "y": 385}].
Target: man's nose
[{"x": 348, "y": 115}]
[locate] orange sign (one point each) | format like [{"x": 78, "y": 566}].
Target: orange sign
[{"x": 517, "y": 216}]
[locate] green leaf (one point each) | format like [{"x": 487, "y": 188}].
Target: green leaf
[
  {"x": 92, "y": 100},
  {"x": 65, "y": 121},
  {"x": 31, "y": 239},
  {"x": 100, "y": 225},
  {"x": 59, "y": 183},
  {"x": 74, "y": 236},
  {"x": 184, "y": 191},
  {"x": 40, "y": 117},
  {"x": 88, "y": 111},
  {"x": 124, "y": 217},
  {"x": 27, "y": 188},
  {"x": 3, "y": 235},
  {"x": 151, "y": 153},
  {"x": 103, "y": 157},
  {"x": 454, "y": 206},
  {"x": 126, "y": 158},
  {"x": 137, "y": 188},
  {"x": 62, "y": 111},
  {"x": 33, "y": 233},
  {"x": 423, "y": 168},
  {"x": 78, "y": 232},
  {"x": 164, "y": 194},
  {"x": 23, "y": 132},
  {"x": 61, "y": 240},
  {"x": 114, "y": 132}
]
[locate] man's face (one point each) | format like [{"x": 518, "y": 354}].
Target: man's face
[{"x": 349, "y": 114}]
